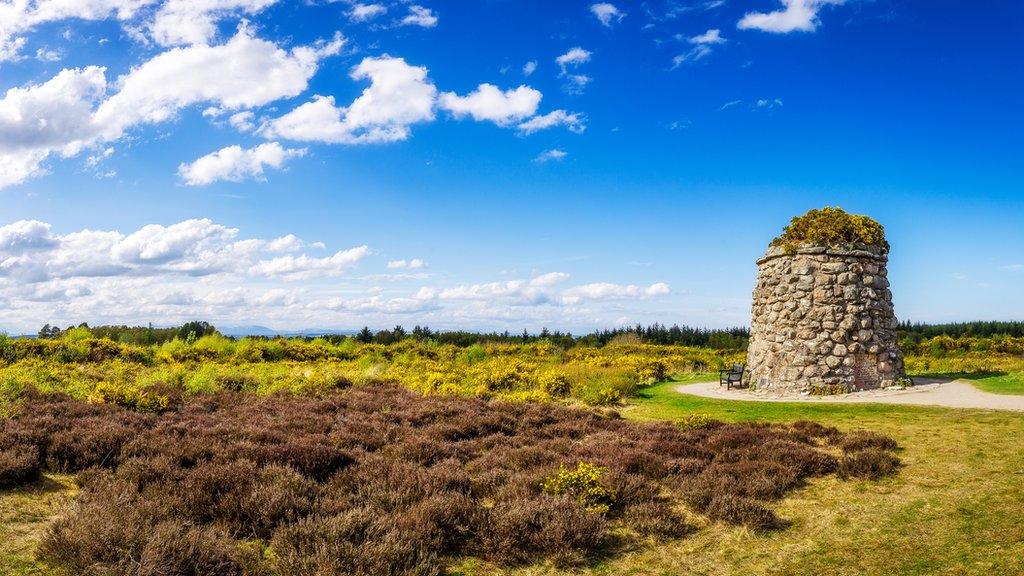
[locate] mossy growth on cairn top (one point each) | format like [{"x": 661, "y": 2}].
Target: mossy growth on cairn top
[{"x": 831, "y": 226}]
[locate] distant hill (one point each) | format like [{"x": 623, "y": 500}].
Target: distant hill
[{"x": 256, "y": 330}]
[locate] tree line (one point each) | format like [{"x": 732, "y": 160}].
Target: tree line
[
  {"x": 724, "y": 339},
  {"x": 140, "y": 335},
  {"x": 920, "y": 330}
]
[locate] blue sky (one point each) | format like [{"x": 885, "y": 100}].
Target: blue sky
[{"x": 498, "y": 164}]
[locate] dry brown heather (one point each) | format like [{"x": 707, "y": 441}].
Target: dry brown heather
[{"x": 378, "y": 480}]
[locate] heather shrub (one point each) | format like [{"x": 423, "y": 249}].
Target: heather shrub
[
  {"x": 807, "y": 431},
  {"x": 733, "y": 509},
  {"x": 862, "y": 439},
  {"x": 19, "y": 464},
  {"x": 113, "y": 530},
  {"x": 378, "y": 480},
  {"x": 178, "y": 548},
  {"x": 357, "y": 542},
  {"x": 657, "y": 518},
  {"x": 98, "y": 444},
  {"x": 868, "y": 463},
  {"x": 544, "y": 526}
]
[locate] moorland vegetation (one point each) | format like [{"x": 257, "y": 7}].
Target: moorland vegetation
[
  {"x": 374, "y": 480},
  {"x": 409, "y": 453},
  {"x": 559, "y": 367},
  {"x": 84, "y": 366}
]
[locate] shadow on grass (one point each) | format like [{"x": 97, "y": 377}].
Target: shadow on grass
[
  {"x": 45, "y": 485},
  {"x": 960, "y": 375}
]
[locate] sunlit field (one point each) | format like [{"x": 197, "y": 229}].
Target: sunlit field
[
  {"x": 103, "y": 370},
  {"x": 606, "y": 466}
]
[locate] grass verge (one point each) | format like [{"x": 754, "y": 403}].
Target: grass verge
[{"x": 1010, "y": 383}]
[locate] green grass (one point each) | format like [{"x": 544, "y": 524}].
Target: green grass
[
  {"x": 662, "y": 402},
  {"x": 1011, "y": 383},
  {"x": 996, "y": 382}
]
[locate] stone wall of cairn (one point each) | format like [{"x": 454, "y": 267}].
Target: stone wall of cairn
[{"x": 823, "y": 321}]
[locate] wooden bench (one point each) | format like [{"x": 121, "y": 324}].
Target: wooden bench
[{"x": 730, "y": 377}]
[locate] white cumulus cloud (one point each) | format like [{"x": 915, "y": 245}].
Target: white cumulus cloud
[
  {"x": 489, "y": 103},
  {"x": 30, "y": 252},
  {"x": 184, "y": 22},
  {"x": 301, "y": 267},
  {"x": 796, "y": 16},
  {"x": 18, "y": 17},
  {"x": 236, "y": 164},
  {"x": 608, "y": 291},
  {"x": 52, "y": 117},
  {"x": 574, "y": 83},
  {"x": 399, "y": 96},
  {"x": 74, "y": 110},
  {"x": 712, "y": 36},
  {"x": 243, "y": 73}
]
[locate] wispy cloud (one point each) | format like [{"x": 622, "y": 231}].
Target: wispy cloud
[
  {"x": 420, "y": 16},
  {"x": 769, "y": 103},
  {"x": 553, "y": 155},
  {"x": 574, "y": 83},
  {"x": 607, "y": 13},
  {"x": 701, "y": 47}
]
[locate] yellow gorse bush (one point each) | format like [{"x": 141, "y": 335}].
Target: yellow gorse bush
[
  {"x": 535, "y": 371},
  {"x": 582, "y": 484},
  {"x": 112, "y": 372},
  {"x": 108, "y": 371},
  {"x": 132, "y": 399},
  {"x": 831, "y": 226}
]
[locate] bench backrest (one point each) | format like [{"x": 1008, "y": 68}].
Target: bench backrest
[{"x": 738, "y": 368}]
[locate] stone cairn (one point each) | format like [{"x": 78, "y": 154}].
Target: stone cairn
[{"x": 823, "y": 320}]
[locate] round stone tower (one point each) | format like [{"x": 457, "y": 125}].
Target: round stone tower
[{"x": 823, "y": 320}]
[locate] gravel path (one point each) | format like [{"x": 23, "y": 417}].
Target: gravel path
[{"x": 951, "y": 393}]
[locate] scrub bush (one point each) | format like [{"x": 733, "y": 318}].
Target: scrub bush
[
  {"x": 831, "y": 226},
  {"x": 19, "y": 464},
  {"x": 379, "y": 480},
  {"x": 869, "y": 464},
  {"x": 582, "y": 484}
]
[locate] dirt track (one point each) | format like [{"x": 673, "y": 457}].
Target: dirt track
[{"x": 950, "y": 393}]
